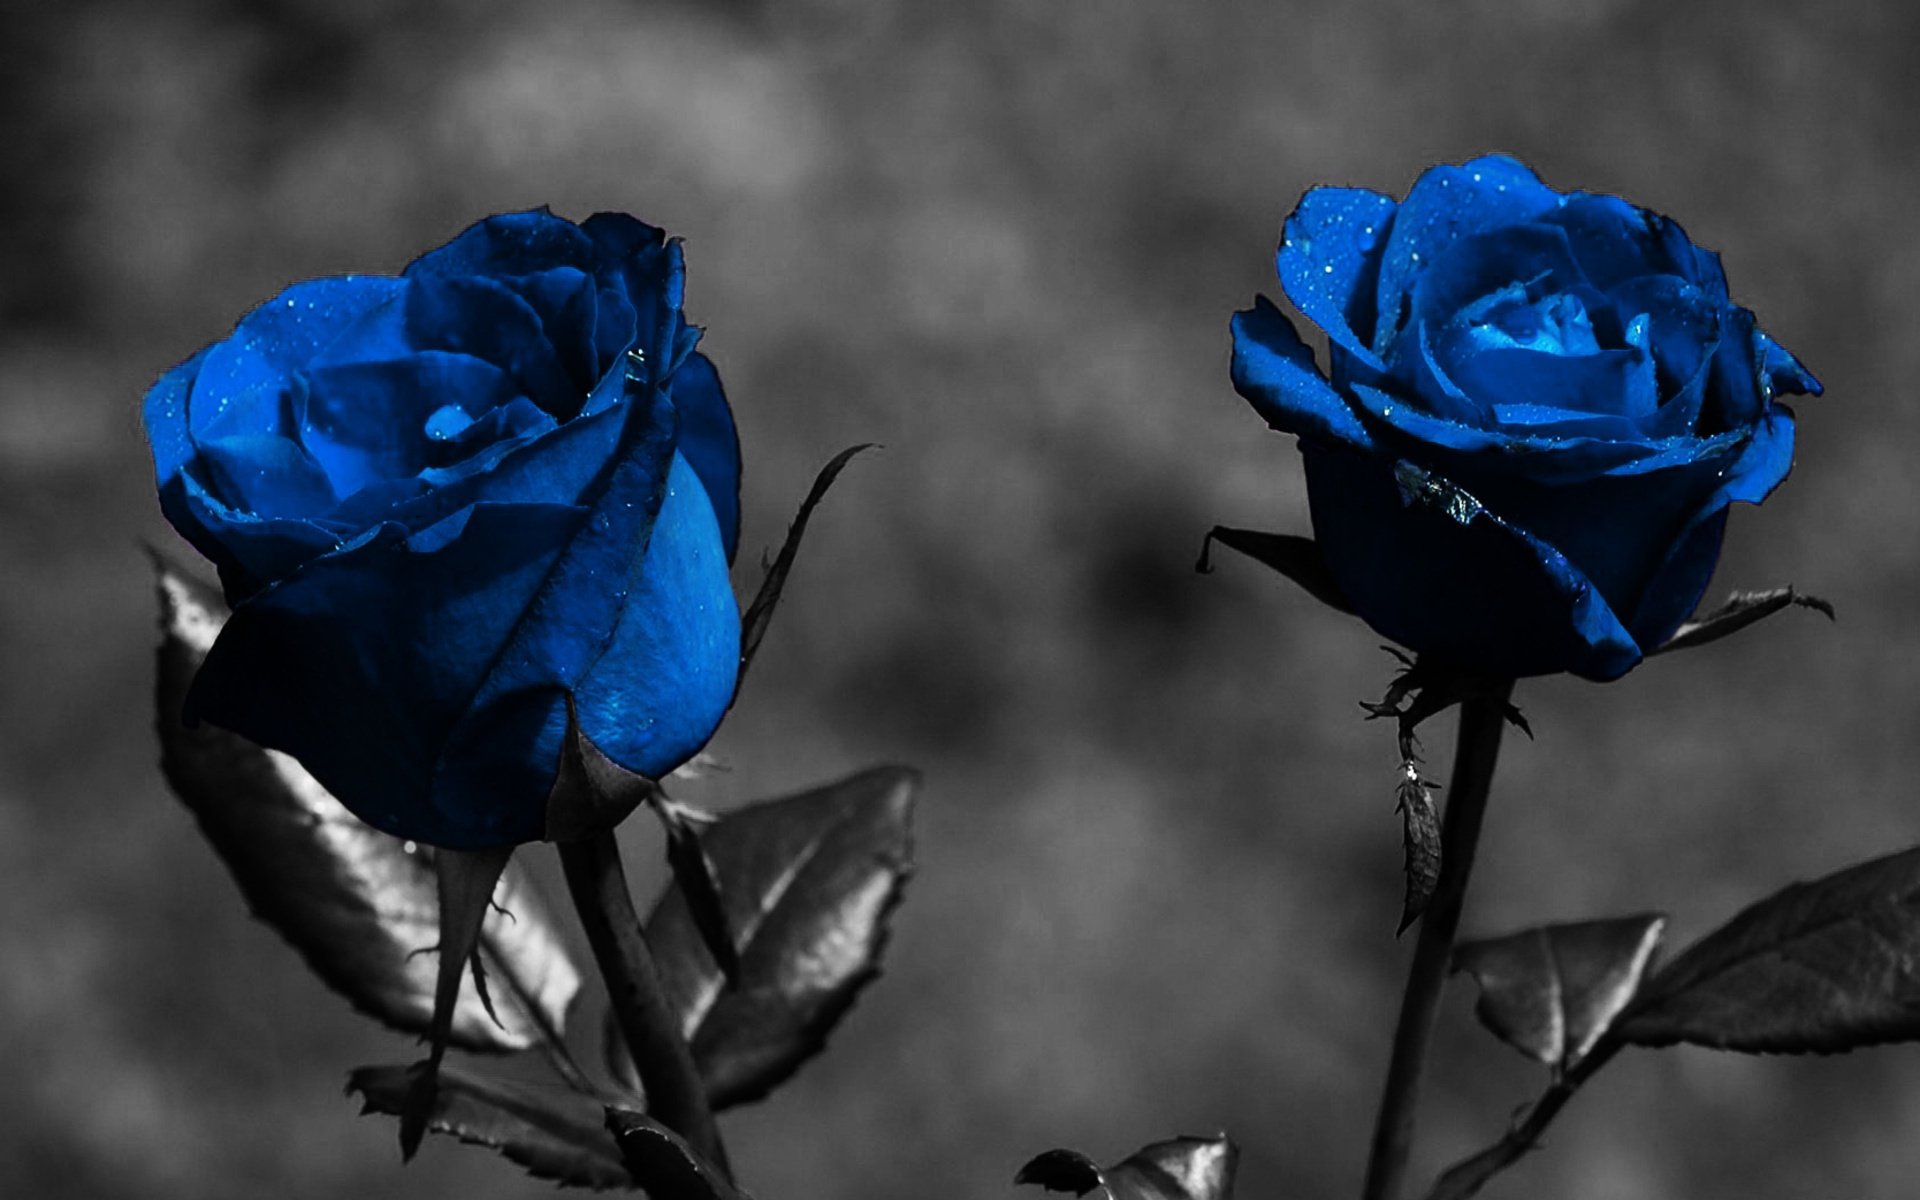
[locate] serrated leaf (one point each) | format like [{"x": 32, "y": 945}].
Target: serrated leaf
[
  {"x": 662, "y": 1162},
  {"x": 808, "y": 882},
  {"x": 1552, "y": 991},
  {"x": 360, "y": 907},
  {"x": 1741, "y": 610},
  {"x": 1186, "y": 1168},
  {"x": 1298, "y": 558},
  {"x": 1819, "y": 967},
  {"x": 753, "y": 623},
  {"x": 556, "y": 1135}
]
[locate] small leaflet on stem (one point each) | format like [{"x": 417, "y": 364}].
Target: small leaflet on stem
[
  {"x": 1420, "y": 833},
  {"x": 1420, "y": 690},
  {"x": 1741, "y": 610}
]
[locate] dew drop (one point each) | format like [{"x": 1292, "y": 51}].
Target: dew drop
[
  {"x": 447, "y": 422},
  {"x": 1328, "y": 269}
]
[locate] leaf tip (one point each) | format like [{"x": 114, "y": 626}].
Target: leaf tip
[{"x": 1060, "y": 1171}]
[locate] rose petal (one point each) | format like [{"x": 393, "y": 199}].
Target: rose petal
[
  {"x": 1273, "y": 369},
  {"x": 1674, "y": 592},
  {"x": 1480, "y": 591},
  {"x": 1444, "y": 204},
  {"x": 485, "y": 319},
  {"x": 709, "y": 442},
  {"x": 366, "y": 421},
  {"x": 1532, "y": 259},
  {"x": 649, "y": 267},
  {"x": 1783, "y": 371},
  {"x": 1329, "y": 261},
  {"x": 522, "y": 243},
  {"x": 371, "y": 712},
  {"x": 1452, "y": 444},
  {"x": 675, "y": 651},
  {"x": 283, "y": 335},
  {"x": 568, "y": 306}
]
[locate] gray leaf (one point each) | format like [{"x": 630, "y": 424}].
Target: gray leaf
[
  {"x": 553, "y": 1134},
  {"x": 1821, "y": 967},
  {"x": 361, "y": 907}
]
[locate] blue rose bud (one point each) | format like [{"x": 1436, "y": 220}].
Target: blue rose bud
[
  {"x": 441, "y": 502},
  {"x": 1538, "y": 410}
]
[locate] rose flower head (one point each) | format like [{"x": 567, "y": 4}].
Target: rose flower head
[
  {"x": 1538, "y": 409},
  {"x": 441, "y": 502}
]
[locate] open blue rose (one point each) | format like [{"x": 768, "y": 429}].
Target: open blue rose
[
  {"x": 1539, "y": 408},
  {"x": 440, "y": 502}
]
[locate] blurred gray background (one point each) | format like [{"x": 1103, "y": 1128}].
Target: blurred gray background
[{"x": 1160, "y": 867}]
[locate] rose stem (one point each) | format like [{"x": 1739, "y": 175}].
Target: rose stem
[
  {"x": 675, "y": 1095},
  {"x": 1481, "y": 720}
]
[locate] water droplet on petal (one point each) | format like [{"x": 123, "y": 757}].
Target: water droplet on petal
[{"x": 447, "y": 422}]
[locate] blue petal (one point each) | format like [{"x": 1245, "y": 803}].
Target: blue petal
[
  {"x": 1675, "y": 589},
  {"x": 1618, "y": 526},
  {"x": 659, "y": 691},
  {"x": 651, "y": 271},
  {"x": 709, "y": 442},
  {"x": 566, "y": 465},
  {"x": 372, "y": 712},
  {"x": 522, "y": 243},
  {"x": 1329, "y": 259},
  {"x": 367, "y": 421},
  {"x": 249, "y": 551},
  {"x": 1465, "y": 586},
  {"x": 485, "y": 319},
  {"x": 1273, "y": 369},
  {"x": 164, "y": 413},
  {"x": 283, "y": 335},
  {"x": 1765, "y": 461},
  {"x": 1734, "y": 398},
  {"x": 567, "y": 626},
  {"x": 1683, "y": 327},
  {"x": 1783, "y": 371},
  {"x": 1615, "y": 241},
  {"x": 567, "y": 304},
  {"x": 1445, "y": 204},
  {"x": 1532, "y": 258},
  {"x": 1606, "y": 393},
  {"x": 614, "y": 329},
  {"x": 1472, "y": 451},
  {"x": 265, "y": 477}
]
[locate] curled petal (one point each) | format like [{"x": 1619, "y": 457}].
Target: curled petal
[
  {"x": 519, "y": 243},
  {"x": 1329, "y": 261},
  {"x": 1445, "y": 204},
  {"x": 1274, "y": 370},
  {"x": 1784, "y": 373}
]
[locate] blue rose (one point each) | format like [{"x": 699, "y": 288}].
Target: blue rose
[
  {"x": 1538, "y": 410},
  {"x": 441, "y": 502}
]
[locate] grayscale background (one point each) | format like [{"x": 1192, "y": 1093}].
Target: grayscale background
[{"x": 1159, "y": 862}]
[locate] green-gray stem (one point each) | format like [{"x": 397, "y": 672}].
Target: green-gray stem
[
  {"x": 675, "y": 1095},
  {"x": 1481, "y": 719},
  {"x": 1466, "y": 1177}
]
